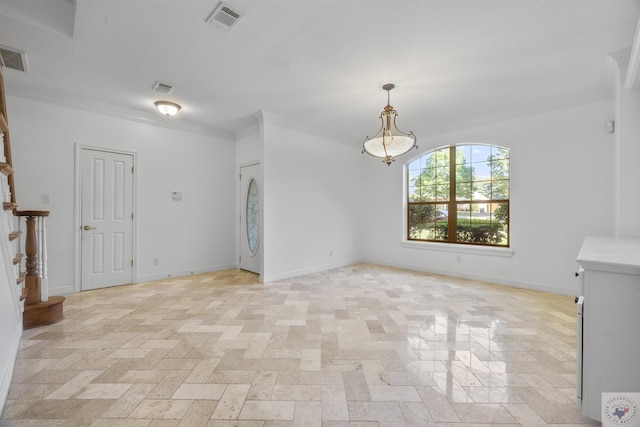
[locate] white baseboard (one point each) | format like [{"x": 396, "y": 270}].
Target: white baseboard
[
  {"x": 304, "y": 271},
  {"x": 469, "y": 276},
  {"x": 61, "y": 290},
  {"x": 183, "y": 273},
  {"x": 66, "y": 290},
  {"x": 480, "y": 277}
]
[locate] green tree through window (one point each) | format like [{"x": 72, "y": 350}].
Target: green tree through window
[{"x": 473, "y": 201}]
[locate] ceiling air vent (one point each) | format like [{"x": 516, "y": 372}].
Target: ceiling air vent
[
  {"x": 224, "y": 17},
  {"x": 13, "y": 58},
  {"x": 162, "y": 87}
]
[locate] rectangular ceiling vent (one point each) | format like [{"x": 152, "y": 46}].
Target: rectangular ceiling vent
[
  {"x": 224, "y": 17},
  {"x": 162, "y": 87},
  {"x": 13, "y": 58}
]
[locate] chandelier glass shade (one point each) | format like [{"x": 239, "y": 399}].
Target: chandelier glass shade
[
  {"x": 167, "y": 108},
  {"x": 389, "y": 142}
]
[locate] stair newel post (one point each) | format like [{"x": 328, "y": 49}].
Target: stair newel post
[
  {"x": 39, "y": 308},
  {"x": 32, "y": 281}
]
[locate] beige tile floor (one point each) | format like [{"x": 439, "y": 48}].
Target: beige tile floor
[{"x": 360, "y": 346}]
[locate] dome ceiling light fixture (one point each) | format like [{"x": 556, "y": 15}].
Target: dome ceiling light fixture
[
  {"x": 389, "y": 142},
  {"x": 167, "y": 108}
]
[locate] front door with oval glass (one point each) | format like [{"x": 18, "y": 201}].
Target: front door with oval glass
[{"x": 250, "y": 247}]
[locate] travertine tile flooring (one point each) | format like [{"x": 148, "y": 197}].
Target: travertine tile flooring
[{"x": 359, "y": 346}]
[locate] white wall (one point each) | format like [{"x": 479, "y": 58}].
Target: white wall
[
  {"x": 628, "y": 131},
  {"x": 312, "y": 199},
  {"x": 10, "y": 314},
  {"x": 192, "y": 235},
  {"x": 318, "y": 189},
  {"x": 562, "y": 190},
  {"x": 248, "y": 145},
  {"x": 10, "y": 305}
]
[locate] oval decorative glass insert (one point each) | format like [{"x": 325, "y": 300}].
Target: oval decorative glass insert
[{"x": 253, "y": 216}]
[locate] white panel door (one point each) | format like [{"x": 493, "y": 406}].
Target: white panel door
[
  {"x": 107, "y": 219},
  {"x": 250, "y": 218}
]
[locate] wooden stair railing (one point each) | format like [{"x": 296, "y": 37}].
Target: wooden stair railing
[
  {"x": 9, "y": 206},
  {"x": 36, "y": 312},
  {"x": 7, "y": 166},
  {"x": 17, "y": 259}
]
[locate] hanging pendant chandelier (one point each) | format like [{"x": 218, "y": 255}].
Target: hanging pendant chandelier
[{"x": 389, "y": 142}]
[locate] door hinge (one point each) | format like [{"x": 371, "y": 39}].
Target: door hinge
[
  {"x": 240, "y": 258},
  {"x": 131, "y": 263},
  {"x": 240, "y": 177},
  {"x": 132, "y": 167},
  {"x": 131, "y": 215}
]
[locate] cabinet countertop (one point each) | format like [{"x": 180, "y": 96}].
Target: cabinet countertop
[{"x": 618, "y": 255}]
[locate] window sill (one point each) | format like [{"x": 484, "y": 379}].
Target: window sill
[{"x": 452, "y": 247}]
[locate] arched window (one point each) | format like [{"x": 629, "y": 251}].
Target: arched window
[{"x": 464, "y": 188}]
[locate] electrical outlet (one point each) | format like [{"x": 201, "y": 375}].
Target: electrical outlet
[
  {"x": 156, "y": 261},
  {"x": 44, "y": 198},
  {"x": 459, "y": 259}
]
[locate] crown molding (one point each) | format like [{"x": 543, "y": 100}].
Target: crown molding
[
  {"x": 269, "y": 117},
  {"x": 631, "y": 79},
  {"x": 596, "y": 95},
  {"x": 622, "y": 57},
  {"x": 252, "y": 129},
  {"x": 121, "y": 113},
  {"x": 613, "y": 75},
  {"x": 617, "y": 68}
]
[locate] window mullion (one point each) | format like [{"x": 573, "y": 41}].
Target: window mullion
[{"x": 452, "y": 207}]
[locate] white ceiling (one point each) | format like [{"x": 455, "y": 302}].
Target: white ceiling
[{"x": 323, "y": 62}]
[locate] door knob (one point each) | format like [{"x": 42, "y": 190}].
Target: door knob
[{"x": 88, "y": 227}]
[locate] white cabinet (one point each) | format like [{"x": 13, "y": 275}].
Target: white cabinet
[{"x": 611, "y": 320}]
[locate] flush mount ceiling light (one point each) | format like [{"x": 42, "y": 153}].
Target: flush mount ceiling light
[
  {"x": 167, "y": 108},
  {"x": 389, "y": 142}
]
